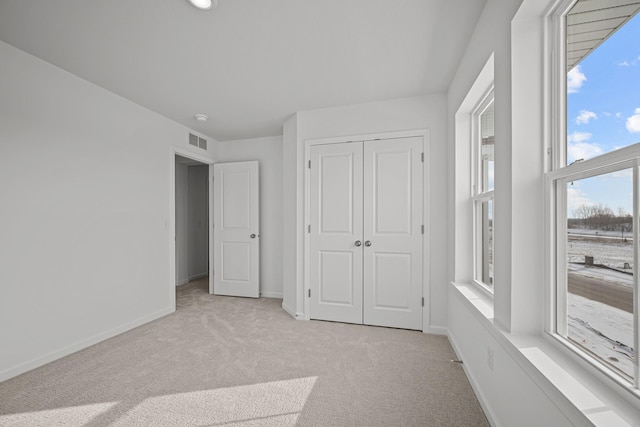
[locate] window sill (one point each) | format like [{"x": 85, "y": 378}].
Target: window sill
[{"x": 577, "y": 392}]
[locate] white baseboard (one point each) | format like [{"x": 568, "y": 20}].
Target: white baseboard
[
  {"x": 292, "y": 313},
  {"x": 198, "y": 276},
  {"x": 437, "y": 330},
  {"x": 271, "y": 294},
  {"x": 474, "y": 385},
  {"x": 82, "y": 344}
]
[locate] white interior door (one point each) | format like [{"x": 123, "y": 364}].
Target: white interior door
[
  {"x": 393, "y": 233},
  {"x": 336, "y": 232},
  {"x": 236, "y": 229}
]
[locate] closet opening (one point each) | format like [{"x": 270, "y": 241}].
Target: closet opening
[{"x": 191, "y": 225}]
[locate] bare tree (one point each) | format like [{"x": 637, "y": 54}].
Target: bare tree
[{"x": 601, "y": 217}]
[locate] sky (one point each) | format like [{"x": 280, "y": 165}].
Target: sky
[{"x": 603, "y": 114}]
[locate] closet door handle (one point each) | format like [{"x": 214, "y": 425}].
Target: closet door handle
[
  {"x": 358, "y": 243},
  {"x": 367, "y": 243}
]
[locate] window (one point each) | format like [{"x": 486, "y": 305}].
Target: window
[
  {"x": 593, "y": 183},
  {"x": 482, "y": 188}
]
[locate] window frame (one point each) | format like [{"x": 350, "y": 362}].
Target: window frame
[
  {"x": 478, "y": 197},
  {"x": 557, "y": 174}
]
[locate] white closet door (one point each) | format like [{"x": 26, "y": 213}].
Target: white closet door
[
  {"x": 393, "y": 233},
  {"x": 236, "y": 233},
  {"x": 336, "y": 228}
]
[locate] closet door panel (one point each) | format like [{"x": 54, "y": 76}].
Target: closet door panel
[
  {"x": 336, "y": 225},
  {"x": 393, "y": 193}
]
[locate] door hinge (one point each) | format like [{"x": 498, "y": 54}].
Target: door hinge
[
  {"x": 422, "y": 158},
  {"x": 422, "y": 228},
  {"x": 309, "y": 164},
  {"x": 309, "y": 228},
  {"x": 309, "y": 293},
  {"x": 423, "y": 301}
]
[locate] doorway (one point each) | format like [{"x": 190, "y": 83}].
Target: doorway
[{"x": 191, "y": 223}]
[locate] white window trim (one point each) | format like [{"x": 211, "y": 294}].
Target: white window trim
[
  {"x": 556, "y": 176},
  {"x": 625, "y": 158},
  {"x": 477, "y": 195}
]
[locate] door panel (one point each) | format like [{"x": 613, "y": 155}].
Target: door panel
[
  {"x": 336, "y": 194},
  {"x": 235, "y": 264},
  {"x": 236, "y": 220},
  {"x": 391, "y": 281},
  {"x": 335, "y": 284},
  {"x": 336, "y": 224},
  {"x": 236, "y": 206},
  {"x": 393, "y": 226},
  {"x": 392, "y": 198}
]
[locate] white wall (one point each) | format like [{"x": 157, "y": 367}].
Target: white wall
[
  {"x": 268, "y": 152},
  {"x": 198, "y": 221},
  {"x": 182, "y": 223},
  {"x": 509, "y": 395},
  {"x": 85, "y": 219},
  {"x": 424, "y": 112}
]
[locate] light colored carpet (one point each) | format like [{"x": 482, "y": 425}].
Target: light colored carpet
[{"x": 223, "y": 361}]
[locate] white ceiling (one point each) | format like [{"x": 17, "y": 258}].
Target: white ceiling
[{"x": 248, "y": 64}]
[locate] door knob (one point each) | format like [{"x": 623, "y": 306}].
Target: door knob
[
  {"x": 358, "y": 243},
  {"x": 367, "y": 243},
  {"x": 253, "y": 236}
]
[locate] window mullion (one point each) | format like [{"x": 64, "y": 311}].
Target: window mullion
[
  {"x": 560, "y": 190},
  {"x": 636, "y": 338}
]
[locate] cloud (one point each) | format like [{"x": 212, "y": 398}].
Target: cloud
[
  {"x": 633, "y": 122},
  {"x": 582, "y": 150},
  {"x": 619, "y": 115},
  {"x": 578, "y": 147},
  {"x": 578, "y": 137},
  {"x": 585, "y": 116},
  {"x": 575, "y": 79},
  {"x": 624, "y": 63},
  {"x": 576, "y": 198}
]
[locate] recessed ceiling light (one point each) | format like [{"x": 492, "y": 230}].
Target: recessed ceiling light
[
  {"x": 201, "y": 117},
  {"x": 204, "y": 4}
]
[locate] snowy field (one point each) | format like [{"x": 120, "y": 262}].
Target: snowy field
[
  {"x": 610, "y": 251},
  {"x": 604, "y": 330}
]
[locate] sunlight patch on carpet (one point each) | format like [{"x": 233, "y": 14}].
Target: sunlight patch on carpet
[
  {"x": 71, "y": 416},
  {"x": 276, "y": 403}
]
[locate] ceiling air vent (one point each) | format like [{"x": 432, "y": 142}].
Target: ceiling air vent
[
  {"x": 193, "y": 140},
  {"x": 197, "y": 141}
]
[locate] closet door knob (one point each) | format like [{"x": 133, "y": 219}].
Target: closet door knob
[
  {"x": 367, "y": 243},
  {"x": 253, "y": 236},
  {"x": 358, "y": 243}
]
